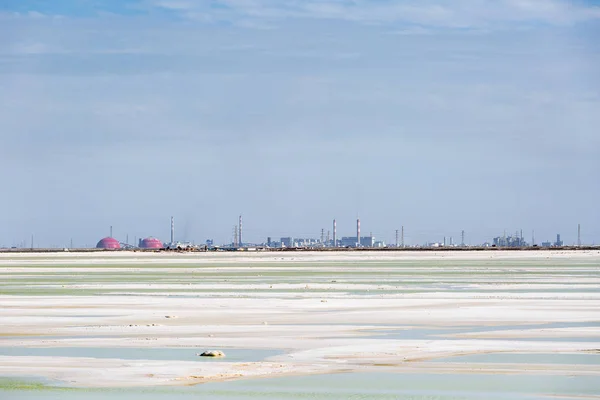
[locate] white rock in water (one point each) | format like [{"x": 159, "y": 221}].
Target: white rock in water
[{"x": 212, "y": 353}]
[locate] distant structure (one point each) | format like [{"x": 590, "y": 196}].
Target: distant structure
[
  {"x": 358, "y": 232},
  {"x": 559, "y": 242},
  {"x": 462, "y": 238},
  {"x": 353, "y": 242},
  {"x": 150, "y": 243},
  {"x": 578, "y": 235},
  {"x": 334, "y": 233},
  {"x": 348, "y": 241},
  {"x": 241, "y": 242},
  {"x": 287, "y": 242},
  {"x": 402, "y": 237},
  {"x": 172, "y": 230},
  {"x": 397, "y": 238},
  {"x": 367, "y": 241},
  {"x": 510, "y": 241},
  {"x": 108, "y": 243}
]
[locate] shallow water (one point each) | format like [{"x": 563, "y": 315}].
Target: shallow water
[
  {"x": 133, "y": 353},
  {"x": 494, "y": 280},
  {"x": 517, "y": 358},
  {"x": 419, "y": 333},
  {"x": 378, "y": 386}
]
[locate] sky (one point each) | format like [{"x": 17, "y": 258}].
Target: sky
[{"x": 436, "y": 115}]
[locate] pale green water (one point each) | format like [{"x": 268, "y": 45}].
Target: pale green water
[
  {"x": 582, "y": 359},
  {"x": 399, "y": 277},
  {"x": 377, "y": 386},
  {"x": 132, "y": 353}
]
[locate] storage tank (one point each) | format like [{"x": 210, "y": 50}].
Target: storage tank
[
  {"x": 108, "y": 243},
  {"x": 151, "y": 243}
]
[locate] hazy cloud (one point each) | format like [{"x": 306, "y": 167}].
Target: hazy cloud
[
  {"x": 433, "y": 13},
  {"x": 378, "y": 108}
]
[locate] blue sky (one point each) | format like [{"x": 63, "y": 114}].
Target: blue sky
[{"x": 437, "y": 115}]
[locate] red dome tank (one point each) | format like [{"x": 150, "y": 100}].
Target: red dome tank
[
  {"x": 108, "y": 243},
  {"x": 151, "y": 243}
]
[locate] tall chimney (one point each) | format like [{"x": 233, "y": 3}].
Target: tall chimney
[
  {"x": 172, "y": 230},
  {"x": 358, "y": 232},
  {"x": 240, "y": 233},
  {"x": 334, "y": 233}
]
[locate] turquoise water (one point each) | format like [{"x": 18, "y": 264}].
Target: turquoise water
[
  {"x": 435, "y": 333},
  {"x": 514, "y": 358},
  {"x": 378, "y": 386},
  {"x": 129, "y": 353},
  {"x": 397, "y": 278}
]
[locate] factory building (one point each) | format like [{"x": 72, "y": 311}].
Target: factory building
[
  {"x": 108, "y": 243},
  {"x": 558, "y": 243},
  {"x": 287, "y": 242},
  {"x": 510, "y": 241},
  {"x": 150, "y": 243},
  {"x": 350, "y": 241},
  {"x": 367, "y": 241}
]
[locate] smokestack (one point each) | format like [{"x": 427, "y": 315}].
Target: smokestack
[
  {"x": 358, "y": 232},
  {"x": 334, "y": 233},
  {"x": 521, "y": 243},
  {"x": 578, "y": 234},
  {"x": 172, "y": 230},
  {"x": 240, "y": 233},
  {"x": 402, "y": 236}
]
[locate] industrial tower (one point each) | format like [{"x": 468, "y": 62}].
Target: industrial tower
[
  {"x": 172, "y": 230},
  {"x": 334, "y": 233},
  {"x": 241, "y": 243}
]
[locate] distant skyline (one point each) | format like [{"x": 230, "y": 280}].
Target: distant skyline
[{"x": 440, "y": 116}]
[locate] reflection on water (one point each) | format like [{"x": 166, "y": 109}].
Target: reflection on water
[{"x": 378, "y": 386}]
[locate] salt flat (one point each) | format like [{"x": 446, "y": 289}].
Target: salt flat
[{"x": 327, "y": 312}]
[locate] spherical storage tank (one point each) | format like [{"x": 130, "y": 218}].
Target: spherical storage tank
[
  {"x": 151, "y": 243},
  {"x": 108, "y": 243}
]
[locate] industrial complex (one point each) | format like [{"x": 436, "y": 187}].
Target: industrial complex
[{"x": 328, "y": 240}]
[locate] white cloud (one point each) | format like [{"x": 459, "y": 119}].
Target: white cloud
[
  {"x": 431, "y": 13},
  {"x": 343, "y": 110}
]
